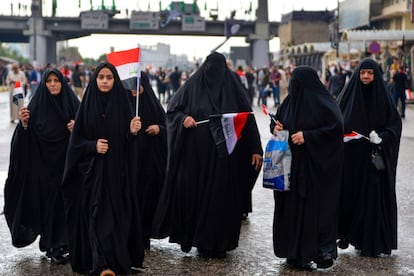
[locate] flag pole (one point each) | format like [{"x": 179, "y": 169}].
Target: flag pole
[
  {"x": 203, "y": 122},
  {"x": 208, "y": 120},
  {"x": 138, "y": 82},
  {"x": 362, "y": 135},
  {"x": 266, "y": 112}
]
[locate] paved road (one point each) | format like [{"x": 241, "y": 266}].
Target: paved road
[{"x": 254, "y": 256}]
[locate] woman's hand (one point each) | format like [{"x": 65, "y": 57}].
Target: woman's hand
[
  {"x": 135, "y": 125},
  {"x": 24, "y": 116},
  {"x": 189, "y": 122},
  {"x": 70, "y": 125},
  {"x": 153, "y": 130},
  {"x": 278, "y": 127},
  {"x": 102, "y": 146},
  {"x": 298, "y": 138},
  {"x": 257, "y": 161}
]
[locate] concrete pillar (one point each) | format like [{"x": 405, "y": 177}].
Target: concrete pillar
[
  {"x": 42, "y": 44},
  {"x": 260, "y": 39}
]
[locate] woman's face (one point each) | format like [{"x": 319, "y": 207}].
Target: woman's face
[
  {"x": 105, "y": 80},
  {"x": 366, "y": 76},
  {"x": 53, "y": 84}
]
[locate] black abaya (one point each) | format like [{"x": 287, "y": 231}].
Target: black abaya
[
  {"x": 202, "y": 201},
  {"x": 305, "y": 218},
  {"x": 101, "y": 209},
  {"x": 33, "y": 199},
  {"x": 149, "y": 155},
  {"x": 368, "y": 213}
]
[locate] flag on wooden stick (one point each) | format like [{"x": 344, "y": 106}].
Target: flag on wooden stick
[{"x": 127, "y": 65}]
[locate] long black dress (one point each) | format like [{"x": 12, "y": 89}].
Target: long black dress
[
  {"x": 149, "y": 156},
  {"x": 305, "y": 218},
  {"x": 33, "y": 198},
  {"x": 202, "y": 201},
  {"x": 101, "y": 210},
  {"x": 368, "y": 213}
]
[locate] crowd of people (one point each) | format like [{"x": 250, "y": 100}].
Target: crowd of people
[{"x": 113, "y": 168}]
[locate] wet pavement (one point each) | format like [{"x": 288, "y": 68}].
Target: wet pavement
[{"x": 254, "y": 256}]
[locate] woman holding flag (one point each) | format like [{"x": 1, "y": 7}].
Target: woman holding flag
[
  {"x": 149, "y": 154},
  {"x": 368, "y": 210},
  {"x": 104, "y": 225},
  {"x": 33, "y": 196},
  {"x": 207, "y": 180}
]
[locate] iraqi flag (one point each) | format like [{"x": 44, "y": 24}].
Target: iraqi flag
[
  {"x": 127, "y": 65},
  {"x": 353, "y": 136},
  {"x": 226, "y": 130},
  {"x": 265, "y": 110},
  {"x": 17, "y": 93}
]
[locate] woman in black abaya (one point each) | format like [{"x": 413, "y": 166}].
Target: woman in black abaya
[
  {"x": 101, "y": 209},
  {"x": 368, "y": 213},
  {"x": 305, "y": 218},
  {"x": 149, "y": 154},
  {"x": 33, "y": 199},
  {"x": 202, "y": 200}
]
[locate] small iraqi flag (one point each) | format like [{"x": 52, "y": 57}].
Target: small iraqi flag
[
  {"x": 352, "y": 136},
  {"x": 127, "y": 65},
  {"x": 226, "y": 130},
  {"x": 264, "y": 109},
  {"x": 17, "y": 93}
]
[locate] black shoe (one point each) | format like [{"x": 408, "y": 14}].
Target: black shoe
[
  {"x": 403, "y": 116},
  {"x": 324, "y": 262},
  {"x": 343, "y": 243},
  {"x": 59, "y": 260},
  {"x": 185, "y": 248}
]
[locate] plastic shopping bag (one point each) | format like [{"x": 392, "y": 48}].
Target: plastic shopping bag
[{"x": 277, "y": 160}]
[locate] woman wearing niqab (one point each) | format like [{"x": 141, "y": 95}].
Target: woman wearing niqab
[
  {"x": 368, "y": 210},
  {"x": 149, "y": 154},
  {"x": 101, "y": 209},
  {"x": 33, "y": 197},
  {"x": 305, "y": 218},
  {"x": 202, "y": 201}
]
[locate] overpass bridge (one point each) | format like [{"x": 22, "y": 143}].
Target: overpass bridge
[{"x": 43, "y": 32}]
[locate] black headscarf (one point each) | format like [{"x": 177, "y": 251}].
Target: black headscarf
[
  {"x": 212, "y": 84},
  {"x": 371, "y": 101},
  {"x": 306, "y": 102},
  {"x": 149, "y": 105},
  {"x": 370, "y": 107},
  {"x": 48, "y": 111}
]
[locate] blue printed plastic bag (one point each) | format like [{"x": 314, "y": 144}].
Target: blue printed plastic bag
[{"x": 276, "y": 166}]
